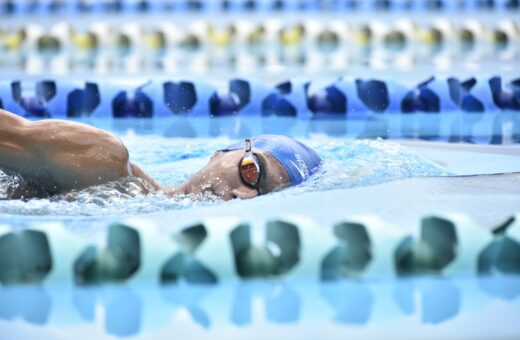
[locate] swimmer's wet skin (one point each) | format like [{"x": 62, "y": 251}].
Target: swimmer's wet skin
[{"x": 57, "y": 156}]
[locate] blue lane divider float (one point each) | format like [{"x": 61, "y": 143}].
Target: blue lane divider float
[
  {"x": 11, "y": 7},
  {"x": 345, "y": 98}
]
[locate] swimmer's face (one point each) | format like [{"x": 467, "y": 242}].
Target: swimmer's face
[{"x": 221, "y": 176}]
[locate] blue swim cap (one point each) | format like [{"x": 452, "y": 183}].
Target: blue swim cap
[{"x": 299, "y": 160}]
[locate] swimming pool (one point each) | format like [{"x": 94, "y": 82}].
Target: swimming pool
[
  {"x": 357, "y": 183},
  {"x": 406, "y": 231}
]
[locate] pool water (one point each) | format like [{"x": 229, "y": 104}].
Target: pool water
[
  {"x": 172, "y": 161},
  {"x": 424, "y": 191},
  {"x": 398, "y": 181},
  {"x": 171, "y": 150},
  {"x": 409, "y": 308}
]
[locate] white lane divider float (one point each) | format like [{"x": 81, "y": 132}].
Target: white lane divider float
[{"x": 138, "y": 251}]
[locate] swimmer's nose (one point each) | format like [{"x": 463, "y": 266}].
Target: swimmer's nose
[{"x": 243, "y": 193}]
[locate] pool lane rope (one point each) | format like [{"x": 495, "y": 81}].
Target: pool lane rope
[
  {"x": 216, "y": 250},
  {"x": 49, "y": 7},
  {"x": 345, "y": 98},
  {"x": 317, "y": 33}
]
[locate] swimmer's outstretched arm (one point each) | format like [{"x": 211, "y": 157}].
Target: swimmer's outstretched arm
[{"x": 62, "y": 155}]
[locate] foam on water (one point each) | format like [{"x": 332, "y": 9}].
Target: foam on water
[{"x": 347, "y": 164}]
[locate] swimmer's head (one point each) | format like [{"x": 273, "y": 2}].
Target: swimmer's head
[{"x": 282, "y": 162}]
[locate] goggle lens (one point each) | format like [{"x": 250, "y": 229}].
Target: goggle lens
[{"x": 249, "y": 170}]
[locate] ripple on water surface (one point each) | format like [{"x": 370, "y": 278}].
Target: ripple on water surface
[{"x": 346, "y": 164}]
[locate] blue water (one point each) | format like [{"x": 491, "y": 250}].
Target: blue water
[
  {"x": 410, "y": 308},
  {"x": 365, "y": 308},
  {"x": 171, "y": 161},
  {"x": 443, "y": 306}
]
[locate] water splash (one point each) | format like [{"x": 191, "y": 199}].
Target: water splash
[
  {"x": 366, "y": 162},
  {"x": 346, "y": 164}
]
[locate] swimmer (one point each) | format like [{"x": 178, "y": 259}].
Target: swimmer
[{"x": 56, "y": 157}]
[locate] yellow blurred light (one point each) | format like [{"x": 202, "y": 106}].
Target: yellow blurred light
[
  {"x": 292, "y": 35},
  {"x": 85, "y": 40}
]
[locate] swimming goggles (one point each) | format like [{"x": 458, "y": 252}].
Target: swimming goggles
[{"x": 249, "y": 167}]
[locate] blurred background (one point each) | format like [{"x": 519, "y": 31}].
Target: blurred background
[
  {"x": 178, "y": 79},
  {"x": 268, "y": 39}
]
